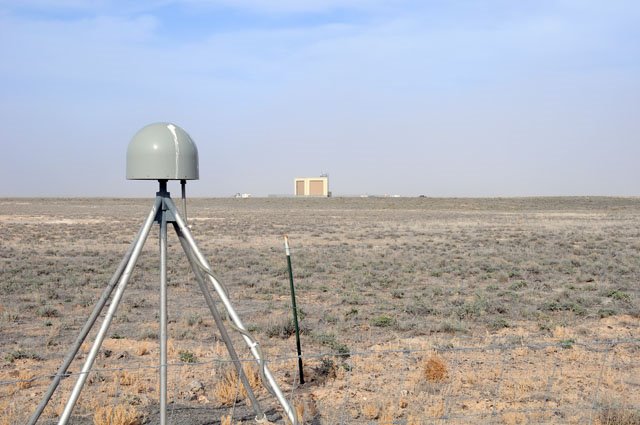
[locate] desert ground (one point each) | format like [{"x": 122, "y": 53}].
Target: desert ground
[{"x": 412, "y": 310}]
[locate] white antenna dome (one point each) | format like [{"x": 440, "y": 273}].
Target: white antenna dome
[{"x": 162, "y": 151}]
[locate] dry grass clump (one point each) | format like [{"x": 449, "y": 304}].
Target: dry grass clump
[
  {"x": 227, "y": 391},
  {"x": 7, "y": 413},
  {"x": 514, "y": 418},
  {"x": 414, "y": 420},
  {"x": 126, "y": 378},
  {"x": 618, "y": 416},
  {"x": 436, "y": 410},
  {"x": 386, "y": 416},
  {"x": 371, "y": 410},
  {"x": 435, "y": 369},
  {"x": 142, "y": 349},
  {"x": 306, "y": 409},
  {"x": 26, "y": 380},
  {"x": 230, "y": 389},
  {"x": 299, "y": 407},
  {"x": 117, "y": 415},
  {"x": 253, "y": 375}
]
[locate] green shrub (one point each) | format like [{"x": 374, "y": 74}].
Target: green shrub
[
  {"x": 48, "y": 311},
  {"x": 567, "y": 343},
  {"x": 382, "y": 321},
  {"x": 21, "y": 354},
  {"x": 187, "y": 356}
]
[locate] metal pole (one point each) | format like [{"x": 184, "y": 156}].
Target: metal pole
[
  {"x": 124, "y": 279},
  {"x": 163, "y": 309},
  {"x": 219, "y": 322},
  {"x": 231, "y": 311},
  {"x": 295, "y": 308},
  {"x": 183, "y": 186},
  {"x": 82, "y": 335}
]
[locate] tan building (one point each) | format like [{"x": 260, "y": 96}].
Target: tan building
[{"x": 312, "y": 186}]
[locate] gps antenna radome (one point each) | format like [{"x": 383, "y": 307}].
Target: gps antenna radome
[{"x": 163, "y": 152}]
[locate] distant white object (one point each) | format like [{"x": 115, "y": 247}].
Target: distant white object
[
  {"x": 312, "y": 186},
  {"x": 243, "y": 195}
]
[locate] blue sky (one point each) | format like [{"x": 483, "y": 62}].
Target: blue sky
[{"x": 442, "y": 98}]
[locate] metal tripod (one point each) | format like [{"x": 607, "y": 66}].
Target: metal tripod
[{"x": 163, "y": 212}]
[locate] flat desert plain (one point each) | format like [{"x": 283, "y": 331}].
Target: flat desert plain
[{"x": 412, "y": 310}]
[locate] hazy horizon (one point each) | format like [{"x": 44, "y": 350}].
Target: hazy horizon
[
  {"x": 175, "y": 194},
  {"x": 436, "y": 98}
]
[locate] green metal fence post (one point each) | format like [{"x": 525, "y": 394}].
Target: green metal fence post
[{"x": 295, "y": 308}]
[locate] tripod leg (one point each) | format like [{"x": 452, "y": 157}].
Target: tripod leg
[
  {"x": 163, "y": 317},
  {"x": 83, "y": 335},
  {"x": 219, "y": 322},
  {"x": 231, "y": 311},
  {"x": 124, "y": 279}
]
